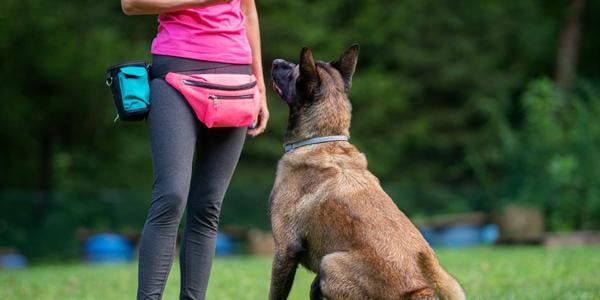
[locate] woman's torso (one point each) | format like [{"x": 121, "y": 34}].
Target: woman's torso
[{"x": 213, "y": 33}]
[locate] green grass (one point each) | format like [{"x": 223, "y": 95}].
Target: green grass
[{"x": 485, "y": 273}]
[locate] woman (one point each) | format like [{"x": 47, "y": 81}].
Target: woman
[{"x": 194, "y": 36}]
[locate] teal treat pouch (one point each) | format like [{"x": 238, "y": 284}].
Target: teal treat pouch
[{"x": 130, "y": 87}]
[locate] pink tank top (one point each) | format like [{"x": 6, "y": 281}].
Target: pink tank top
[{"x": 213, "y": 33}]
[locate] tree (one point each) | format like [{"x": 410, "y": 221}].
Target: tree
[{"x": 569, "y": 45}]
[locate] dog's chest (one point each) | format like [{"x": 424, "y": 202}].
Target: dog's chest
[{"x": 298, "y": 188}]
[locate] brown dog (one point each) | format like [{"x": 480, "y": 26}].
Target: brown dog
[{"x": 328, "y": 212}]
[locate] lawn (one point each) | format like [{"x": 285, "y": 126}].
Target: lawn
[{"x": 485, "y": 273}]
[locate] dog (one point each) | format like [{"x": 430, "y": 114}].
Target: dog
[{"x": 328, "y": 212}]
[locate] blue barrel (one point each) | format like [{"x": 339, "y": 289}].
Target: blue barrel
[
  {"x": 108, "y": 248},
  {"x": 460, "y": 236},
  {"x": 12, "y": 261},
  {"x": 430, "y": 235},
  {"x": 490, "y": 234},
  {"x": 225, "y": 245}
]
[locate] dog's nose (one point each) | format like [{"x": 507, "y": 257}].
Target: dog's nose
[{"x": 280, "y": 63}]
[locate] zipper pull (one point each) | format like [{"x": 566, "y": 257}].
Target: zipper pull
[{"x": 214, "y": 100}]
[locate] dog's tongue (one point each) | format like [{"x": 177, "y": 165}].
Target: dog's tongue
[{"x": 276, "y": 88}]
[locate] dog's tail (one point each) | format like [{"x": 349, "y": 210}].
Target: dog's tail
[{"x": 446, "y": 287}]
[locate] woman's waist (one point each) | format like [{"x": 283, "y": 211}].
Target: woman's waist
[{"x": 163, "y": 64}]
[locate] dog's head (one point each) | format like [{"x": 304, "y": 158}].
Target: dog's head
[{"x": 316, "y": 93}]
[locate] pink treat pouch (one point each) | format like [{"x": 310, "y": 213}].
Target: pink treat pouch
[{"x": 219, "y": 100}]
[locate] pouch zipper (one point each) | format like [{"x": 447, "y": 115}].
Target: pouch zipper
[
  {"x": 219, "y": 86},
  {"x": 214, "y": 98}
]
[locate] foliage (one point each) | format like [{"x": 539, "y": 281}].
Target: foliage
[
  {"x": 552, "y": 161},
  {"x": 54, "y": 56},
  {"x": 445, "y": 106}
]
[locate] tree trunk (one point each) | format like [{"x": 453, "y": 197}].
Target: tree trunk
[{"x": 569, "y": 44}]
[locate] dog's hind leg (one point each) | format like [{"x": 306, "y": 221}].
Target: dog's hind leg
[{"x": 339, "y": 279}]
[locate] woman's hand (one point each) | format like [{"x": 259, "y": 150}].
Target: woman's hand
[
  {"x": 253, "y": 34},
  {"x": 263, "y": 116}
]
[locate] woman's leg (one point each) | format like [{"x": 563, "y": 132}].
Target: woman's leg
[
  {"x": 218, "y": 151},
  {"x": 173, "y": 129}
]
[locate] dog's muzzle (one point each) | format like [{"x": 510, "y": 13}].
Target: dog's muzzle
[{"x": 282, "y": 78}]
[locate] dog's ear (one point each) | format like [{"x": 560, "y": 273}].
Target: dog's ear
[
  {"x": 346, "y": 64},
  {"x": 308, "y": 68}
]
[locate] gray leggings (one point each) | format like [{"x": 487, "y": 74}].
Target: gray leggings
[{"x": 181, "y": 180}]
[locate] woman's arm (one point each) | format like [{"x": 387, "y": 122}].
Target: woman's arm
[
  {"x": 153, "y": 7},
  {"x": 253, "y": 33}
]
